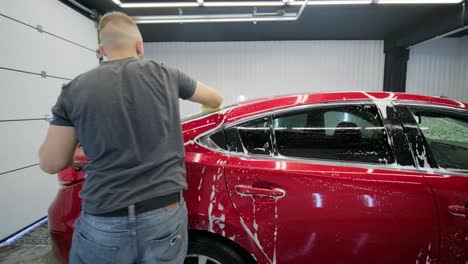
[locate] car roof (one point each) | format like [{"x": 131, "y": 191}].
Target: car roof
[{"x": 258, "y": 106}]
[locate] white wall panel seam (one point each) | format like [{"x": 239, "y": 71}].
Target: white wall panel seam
[
  {"x": 43, "y": 75},
  {"x": 18, "y": 169},
  {"x": 42, "y": 52},
  {"x": 45, "y": 31}
]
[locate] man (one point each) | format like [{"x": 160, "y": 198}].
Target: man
[{"x": 125, "y": 114}]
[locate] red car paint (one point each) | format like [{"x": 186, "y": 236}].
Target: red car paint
[{"x": 288, "y": 211}]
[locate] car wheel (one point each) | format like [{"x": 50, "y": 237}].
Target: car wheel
[{"x": 204, "y": 250}]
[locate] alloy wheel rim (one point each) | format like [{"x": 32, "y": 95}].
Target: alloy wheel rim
[{"x": 202, "y": 259}]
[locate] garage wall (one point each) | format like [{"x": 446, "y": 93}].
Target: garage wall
[
  {"x": 439, "y": 67},
  {"x": 64, "y": 49},
  {"x": 259, "y": 69}
]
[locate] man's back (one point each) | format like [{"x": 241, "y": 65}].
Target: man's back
[
  {"x": 141, "y": 159},
  {"x": 125, "y": 114}
]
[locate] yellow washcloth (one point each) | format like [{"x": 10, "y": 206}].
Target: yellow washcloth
[{"x": 207, "y": 109}]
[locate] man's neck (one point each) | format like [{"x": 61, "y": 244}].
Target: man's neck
[{"x": 123, "y": 55}]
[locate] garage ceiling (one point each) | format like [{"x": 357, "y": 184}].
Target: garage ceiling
[{"x": 332, "y": 22}]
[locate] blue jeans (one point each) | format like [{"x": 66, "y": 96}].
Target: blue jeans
[{"x": 158, "y": 236}]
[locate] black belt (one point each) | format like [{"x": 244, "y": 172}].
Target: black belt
[{"x": 147, "y": 205}]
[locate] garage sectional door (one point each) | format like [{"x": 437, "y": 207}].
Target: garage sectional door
[{"x": 44, "y": 45}]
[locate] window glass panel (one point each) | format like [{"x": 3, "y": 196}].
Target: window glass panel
[
  {"x": 233, "y": 140},
  {"x": 447, "y": 135},
  {"x": 215, "y": 141},
  {"x": 346, "y": 133},
  {"x": 219, "y": 139},
  {"x": 255, "y": 137}
]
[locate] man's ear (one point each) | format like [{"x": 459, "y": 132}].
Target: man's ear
[
  {"x": 102, "y": 50},
  {"x": 139, "y": 48}
]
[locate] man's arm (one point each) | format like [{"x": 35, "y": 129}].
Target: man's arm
[
  {"x": 56, "y": 153},
  {"x": 206, "y": 95}
]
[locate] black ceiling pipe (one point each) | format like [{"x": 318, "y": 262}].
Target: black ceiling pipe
[{"x": 89, "y": 13}]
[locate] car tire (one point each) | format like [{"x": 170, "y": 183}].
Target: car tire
[{"x": 213, "y": 251}]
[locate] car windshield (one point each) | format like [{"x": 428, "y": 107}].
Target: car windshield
[{"x": 205, "y": 113}]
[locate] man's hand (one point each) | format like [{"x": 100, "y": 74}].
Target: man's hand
[{"x": 56, "y": 153}]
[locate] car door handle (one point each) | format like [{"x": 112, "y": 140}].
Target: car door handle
[
  {"x": 249, "y": 190},
  {"x": 458, "y": 210}
]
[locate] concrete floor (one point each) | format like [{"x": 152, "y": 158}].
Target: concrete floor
[{"x": 33, "y": 247}]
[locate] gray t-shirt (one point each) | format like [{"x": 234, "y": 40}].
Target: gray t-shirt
[{"x": 126, "y": 116}]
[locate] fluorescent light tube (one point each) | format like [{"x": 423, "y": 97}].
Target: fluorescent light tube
[
  {"x": 275, "y": 3},
  {"x": 210, "y": 18},
  {"x": 160, "y": 4},
  {"x": 239, "y": 3},
  {"x": 246, "y": 3},
  {"x": 334, "y": 2},
  {"x": 419, "y": 1}
]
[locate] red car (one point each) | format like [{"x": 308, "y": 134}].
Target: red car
[{"x": 349, "y": 177}]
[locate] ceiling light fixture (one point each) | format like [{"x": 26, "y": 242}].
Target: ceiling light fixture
[
  {"x": 238, "y": 3},
  {"x": 246, "y": 3},
  {"x": 198, "y": 3},
  {"x": 419, "y": 1},
  {"x": 334, "y": 2},
  {"x": 187, "y": 19},
  {"x": 280, "y": 15},
  {"x": 159, "y": 4},
  {"x": 256, "y": 17}
]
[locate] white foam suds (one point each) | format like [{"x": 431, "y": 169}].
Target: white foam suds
[
  {"x": 255, "y": 226},
  {"x": 275, "y": 235},
  {"x": 210, "y": 217},
  {"x": 256, "y": 241},
  {"x": 190, "y": 142},
  {"x": 213, "y": 189},
  {"x": 381, "y": 104},
  {"x": 200, "y": 185},
  {"x": 210, "y": 209},
  {"x": 459, "y": 103}
]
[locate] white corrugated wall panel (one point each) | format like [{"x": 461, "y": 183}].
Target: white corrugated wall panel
[
  {"x": 27, "y": 201},
  {"x": 29, "y": 50},
  {"x": 259, "y": 69},
  {"x": 54, "y": 17},
  {"x": 20, "y": 143},
  {"x": 25, "y": 191},
  {"x": 439, "y": 68},
  {"x": 41, "y": 95}
]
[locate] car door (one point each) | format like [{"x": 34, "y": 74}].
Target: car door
[
  {"x": 439, "y": 137},
  {"x": 322, "y": 185}
]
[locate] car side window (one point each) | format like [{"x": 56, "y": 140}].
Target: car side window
[
  {"x": 446, "y": 132},
  {"x": 215, "y": 141},
  {"x": 338, "y": 133},
  {"x": 250, "y": 138}
]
